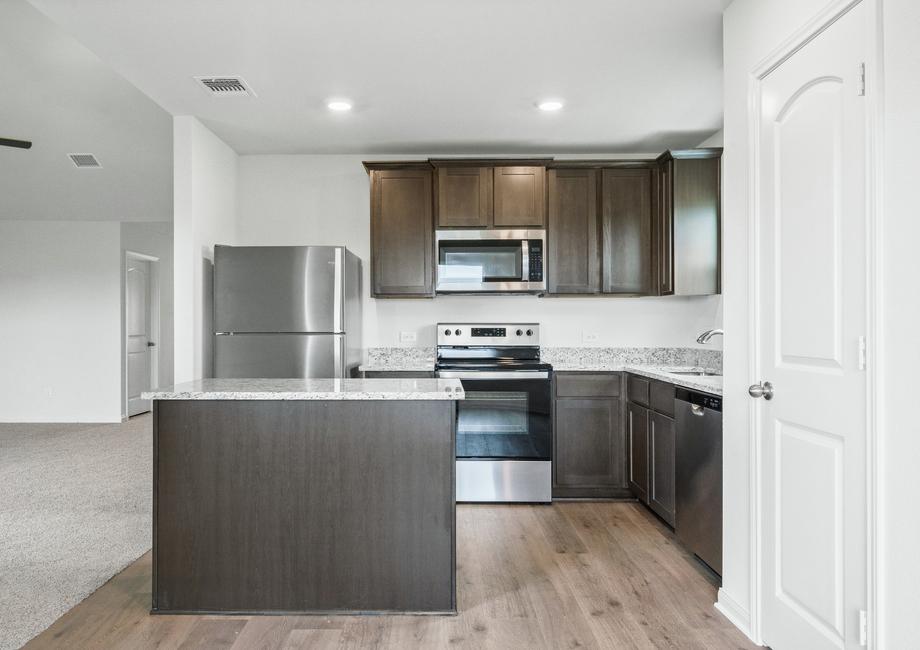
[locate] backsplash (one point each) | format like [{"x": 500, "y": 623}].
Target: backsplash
[
  {"x": 395, "y": 358},
  {"x": 672, "y": 357}
]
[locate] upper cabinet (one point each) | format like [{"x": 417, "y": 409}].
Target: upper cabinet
[
  {"x": 464, "y": 197},
  {"x": 402, "y": 230},
  {"x": 626, "y": 230},
  {"x": 573, "y": 261},
  {"x": 687, "y": 222},
  {"x": 471, "y": 195},
  {"x": 520, "y": 200}
]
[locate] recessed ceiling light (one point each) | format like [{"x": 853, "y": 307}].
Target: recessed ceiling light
[
  {"x": 339, "y": 105},
  {"x": 550, "y": 105}
]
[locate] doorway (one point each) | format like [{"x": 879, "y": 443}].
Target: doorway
[
  {"x": 811, "y": 316},
  {"x": 141, "y": 329}
]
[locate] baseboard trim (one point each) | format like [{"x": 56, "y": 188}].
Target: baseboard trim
[{"x": 739, "y": 616}]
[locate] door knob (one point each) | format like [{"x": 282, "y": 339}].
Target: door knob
[
  {"x": 151, "y": 344},
  {"x": 763, "y": 389}
]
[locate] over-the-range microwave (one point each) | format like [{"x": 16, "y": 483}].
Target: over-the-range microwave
[{"x": 497, "y": 261}]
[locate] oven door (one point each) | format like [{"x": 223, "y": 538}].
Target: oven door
[{"x": 505, "y": 415}]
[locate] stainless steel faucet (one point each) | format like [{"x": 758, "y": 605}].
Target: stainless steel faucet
[{"x": 708, "y": 334}]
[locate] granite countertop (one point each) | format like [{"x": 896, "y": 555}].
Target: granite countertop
[
  {"x": 657, "y": 363},
  {"x": 311, "y": 389}
]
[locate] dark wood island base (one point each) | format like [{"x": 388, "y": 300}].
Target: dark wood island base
[{"x": 309, "y": 507}]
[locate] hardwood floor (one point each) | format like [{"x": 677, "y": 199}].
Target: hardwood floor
[{"x": 569, "y": 575}]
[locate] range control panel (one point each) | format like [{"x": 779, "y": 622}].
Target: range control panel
[{"x": 488, "y": 334}]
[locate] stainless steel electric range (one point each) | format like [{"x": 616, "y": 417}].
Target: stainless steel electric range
[{"x": 504, "y": 425}]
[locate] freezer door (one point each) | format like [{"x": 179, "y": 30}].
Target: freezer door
[
  {"x": 279, "y": 355},
  {"x": 278, "y": 288}
]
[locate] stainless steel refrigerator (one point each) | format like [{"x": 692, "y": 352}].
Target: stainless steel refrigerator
[{"x": 286, "y": 311}]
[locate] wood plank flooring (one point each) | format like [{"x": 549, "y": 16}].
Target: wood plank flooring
[{"x": 569, "y": 575}]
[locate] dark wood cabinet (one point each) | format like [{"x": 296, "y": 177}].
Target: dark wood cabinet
[
  {"x": 398, "y": 374},
  {"x": 662, "y": 464},
  {"x": 652, "y": 444},
  {"x": 589, "y": 457},
  {"x": 637, "y": 440},
  {"x": 626, "y": 224},
  {"x": 687, "y": 231},
  {"x": 572, "y": 234},
  {"x": 519, "y": 197},
  {"x": 402, "y": 231},
  {"x": 464, "y": 197}
]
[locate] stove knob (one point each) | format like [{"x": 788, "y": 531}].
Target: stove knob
[
  {"x": 457, "y": 332},
  {"x": 529, "y": 332},
  {"x": 446, "y": 332},
  {"x": 519, "y": 332}
]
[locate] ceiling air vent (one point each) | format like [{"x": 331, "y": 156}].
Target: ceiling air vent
[
  {"x": 225, "y": 86},
  {"x": 84, "y": 160}
]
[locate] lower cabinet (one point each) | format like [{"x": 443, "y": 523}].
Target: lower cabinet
[
  {"x": 637, "y": 437},
  {"x": 663, "y": 474},
  {"x": 589, "y": 457},
  {"x": 652, "y": 442}
]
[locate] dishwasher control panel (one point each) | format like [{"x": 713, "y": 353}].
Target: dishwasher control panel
[{"x": 705, "y": 400}]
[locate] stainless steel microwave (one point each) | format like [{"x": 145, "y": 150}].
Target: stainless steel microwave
[{"x": 498, "y": 261}]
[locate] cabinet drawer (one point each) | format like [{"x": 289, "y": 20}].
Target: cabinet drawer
[
  {"x": 661, "y": 397},
  {"x": 637, "y": 389},
  {"x": 398, "y": 374},
  {"x": 587, "y": 385}
]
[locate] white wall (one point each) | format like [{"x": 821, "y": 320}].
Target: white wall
[
  {"x": 154, "y": 239},
  {"x": 205, "y": 184},
  {"x": 299, "y": 199},
  {"x": 899, "y": 624},
  {"x": 752, "y": 29},
  {"x": 60, "y": 314}
]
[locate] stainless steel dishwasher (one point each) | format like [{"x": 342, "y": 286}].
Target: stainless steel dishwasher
[{"x": 698, "y": 424}]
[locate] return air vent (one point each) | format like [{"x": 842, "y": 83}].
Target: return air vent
[
  {"x": 225, "y": 86},
  {"x": 84, "y": 160}
]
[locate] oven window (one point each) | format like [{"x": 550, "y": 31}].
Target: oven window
[
  {"x": 506, "y": 424},
  {"x": 480, "y": 261}
]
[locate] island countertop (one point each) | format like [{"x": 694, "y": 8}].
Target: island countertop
[{"x": 311, "y": 389}]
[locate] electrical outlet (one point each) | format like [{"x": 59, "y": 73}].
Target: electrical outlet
[
  {"x": 408, "y": 337},
  {"x": 589, "y": 337}
]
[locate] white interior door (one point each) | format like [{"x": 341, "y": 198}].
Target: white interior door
[
  {"x": 137, "y": 325},
  {"x": 812, "y": 315}
]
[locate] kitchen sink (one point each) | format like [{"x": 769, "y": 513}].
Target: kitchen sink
[{"x": 696, "y": 373}]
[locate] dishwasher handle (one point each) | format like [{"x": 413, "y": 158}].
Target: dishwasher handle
[{"x": 696, "y": 409}]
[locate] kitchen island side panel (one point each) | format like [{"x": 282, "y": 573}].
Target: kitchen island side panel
[{"x": 304, "y": 506}]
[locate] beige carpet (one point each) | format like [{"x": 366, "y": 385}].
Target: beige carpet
[{"x": 75, "y": 509}]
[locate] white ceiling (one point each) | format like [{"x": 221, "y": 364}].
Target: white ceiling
[
  {"x": 58, "y": 94},
  {"x": 445, "y": 76}
]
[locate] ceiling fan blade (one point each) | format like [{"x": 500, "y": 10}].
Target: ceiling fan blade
[{"x": 19, "y": 144}]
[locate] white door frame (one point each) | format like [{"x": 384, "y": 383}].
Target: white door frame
[
  {"x": 153, "y": 297},
  {"x": 874, "y": 159}
]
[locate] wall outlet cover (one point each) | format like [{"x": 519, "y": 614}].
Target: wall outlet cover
[
  {"x": 408, "y": 337},
  {"x": 589, "y": 337}
]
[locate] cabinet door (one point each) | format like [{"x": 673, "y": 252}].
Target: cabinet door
[
  {"x": 590, "y": 446},
  {"x": 637, "y": 439},
  {"x": 664, "y": 231},
  {"x": 464, "y": 197},
  {"x": 402, "y": 233},
  {"x": 695, "y": 210},
  {"x": 662, "y": 445},
  {"x": 626, "y": 223},
  {"x": 572, "y": 235},
  {"x": 520, "y": 197}
]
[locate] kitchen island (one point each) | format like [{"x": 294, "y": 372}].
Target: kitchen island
[{"x": 304, "y": 496}]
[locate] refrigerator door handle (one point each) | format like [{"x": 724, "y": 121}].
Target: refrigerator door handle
[
  {"x": 338, "y": 281},
  {"x": 338, "y": 355}
]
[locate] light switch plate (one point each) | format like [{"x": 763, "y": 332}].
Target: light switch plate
[
  {"x": 589, "y": 337},
  {"x": 408, "y": 337}
]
